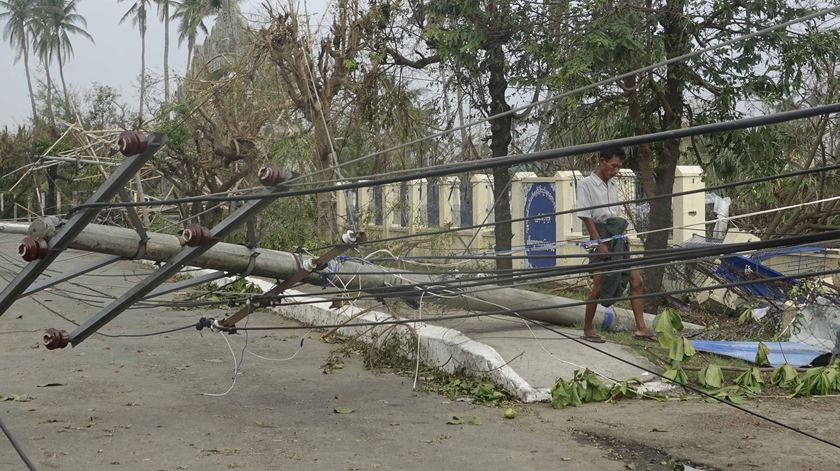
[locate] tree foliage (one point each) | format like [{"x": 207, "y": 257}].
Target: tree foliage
[{"x": 598, "y": 39}]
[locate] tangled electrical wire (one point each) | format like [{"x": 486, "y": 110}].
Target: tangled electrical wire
[{"x": 449, "y": 286}]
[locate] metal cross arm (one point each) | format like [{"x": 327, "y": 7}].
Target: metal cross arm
[
  {"x": 41, "y": 254},
  {"x": 188, "y": 283},
  {"x": 137, "y": 224},
  {"x": 349, "y": 239},
  {"x": 56, "y": 279},
  {"x": 198, "y": 240}
]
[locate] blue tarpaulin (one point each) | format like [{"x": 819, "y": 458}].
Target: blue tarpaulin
[{"x": 793, "y": 353}]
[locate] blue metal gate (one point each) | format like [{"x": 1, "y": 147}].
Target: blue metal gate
[{"x": 540, "y": 232}]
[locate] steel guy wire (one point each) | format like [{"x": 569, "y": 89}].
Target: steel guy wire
[
  {"x": 540, "y": 274},
  {"x": 579, "y": 149},
  {"x": 717, "y": 249},
  {"x": 584, "y": 242},
  {"x": 509, "y": 312},
  {"x": 543, "y": 348}
]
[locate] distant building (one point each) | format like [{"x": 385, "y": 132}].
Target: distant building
[{"x": 227, "y": 36}]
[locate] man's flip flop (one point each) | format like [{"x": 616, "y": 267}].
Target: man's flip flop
[
  {"x": 594, "y": 338},
  {"x": 649, "y": 338}
]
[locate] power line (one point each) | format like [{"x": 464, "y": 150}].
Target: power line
[
  {"x": 508, "y": 312},
  {"x": 584, "y": 88},
  {"x": 148, "y": 334},
  {"x": 534, "y": 275},
  {"x": 676, "y": 256},
  {"x": 569, "y": 151},
  {"x": 484, "y": 164},
  {"x": 624, "y": 202},
  {"x": 688, "y": 386},
  {"x": 515, "y": 311},
  {"x": 17, "y": 446}
]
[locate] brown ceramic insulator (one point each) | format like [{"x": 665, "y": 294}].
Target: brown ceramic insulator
[
  {"x": 195, "y": 235},
  {"x": 32, "y": 249},
  {"x": 55, "y": 338},
  {"x": 272, "y": 175},
  {"x": 132, "y": 143}
]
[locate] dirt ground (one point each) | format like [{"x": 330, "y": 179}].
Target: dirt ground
[{"x": 137, "y": 404}]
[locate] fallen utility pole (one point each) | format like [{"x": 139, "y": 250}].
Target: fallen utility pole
[
  {"x": 273, "y": 264},
  {"x": 138, "y": 149}
]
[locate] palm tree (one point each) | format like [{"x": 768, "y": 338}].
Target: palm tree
[
  {"x": 163, "y": 12},
  {"x": 138, "y": 16},
  {"x": 18, "y": 14},
  {"x": 55, "y": 21},
  {"x": 190, "y": 15}
]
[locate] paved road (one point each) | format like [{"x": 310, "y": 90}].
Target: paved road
[{"x": 137, "y": 404}]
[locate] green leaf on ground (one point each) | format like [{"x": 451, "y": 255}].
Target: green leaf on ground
[
  {"x": 728, "y": 394},
  {"x": 455, "y": 420},
  {"x": 710, "y": 376},
  {"x": 664, "y": 328},
  {"x": 17, "y": 398},
  {"x": 817, "y": 382},
  {"x": 751, "y": 380},
  {"x": 689, "y": 348},
  {"x": 785, "y": 376},
  {"x": 343, "y": 410},
  {"x": 676, "y": 374},
  {"x": 761, "y": 355}
]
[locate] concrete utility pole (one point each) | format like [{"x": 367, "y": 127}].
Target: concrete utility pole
[{"x": 275, "y": 264}]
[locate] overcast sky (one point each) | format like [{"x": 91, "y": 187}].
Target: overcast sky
[{"x": 113, "y": 60}]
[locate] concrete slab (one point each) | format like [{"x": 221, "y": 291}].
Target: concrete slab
[
  {"x": 520, "y": 357},
  {"x": 526, "y": 362},
  {"x": 541, "y": 356}
]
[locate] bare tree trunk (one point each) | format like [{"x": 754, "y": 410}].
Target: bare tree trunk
[
  {"x": 325, "y": 220},
  {"x": 49, "y": 93},
  {"x": 29, "y": 80},
  {"x": 643, "y": 154},
  {"x": 190, "y": 47},
  {"x": 661, "y": 210},
  {"x": 166, "y": 51},
  {"x": 63, "y": 83},
  {"x": 142, "y": 75},
  {"x": 500, "y": 138}
]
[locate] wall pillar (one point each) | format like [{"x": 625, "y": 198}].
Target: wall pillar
[
  {"x": 517, "y": 211},
  {"x": 366, "y": 209},
  {"x": 569, "y": 226},
  {"x": 482, "y": 203},
  {"x": 689, "y": 210},
  {"x": 416, "y": 204},
  {"x": 449, "y": 195}
]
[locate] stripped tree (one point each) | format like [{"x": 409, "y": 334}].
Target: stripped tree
[{"x": 314, "y": 71}]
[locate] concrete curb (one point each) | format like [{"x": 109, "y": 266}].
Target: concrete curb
[{"x": 440, "y": 347}]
